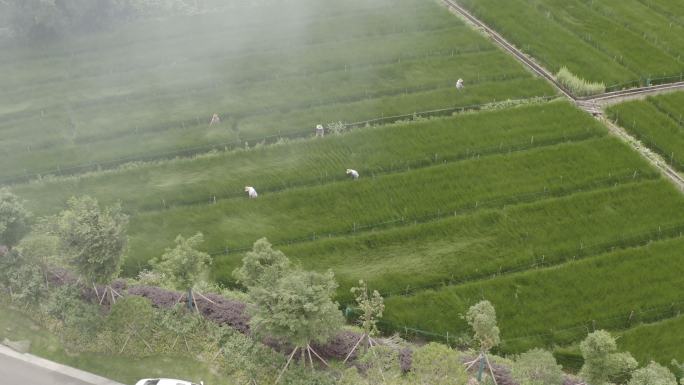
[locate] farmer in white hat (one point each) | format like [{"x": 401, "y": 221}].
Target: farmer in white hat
[
  {"x": 251, "y": 191},
  {"x": 319, "y": 130},
  {"x": 459, "y": 84},
  {"x": 215, "y": 120},
  {"x": 354, "y": 174}
]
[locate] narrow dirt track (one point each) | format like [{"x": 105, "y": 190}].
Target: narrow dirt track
[{"x": 593, "y": 105}]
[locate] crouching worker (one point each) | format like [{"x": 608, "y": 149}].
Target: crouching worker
[
  {"x": 215, "y": 120},
  {"x": 459, "y": 84},
  {"x": 319, "y": 130},
  {"x": 353, "y": 173},
  {"x": 251, "y": 192}
]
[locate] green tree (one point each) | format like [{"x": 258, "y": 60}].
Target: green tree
[
  {"x": 653, "y": 374},
  {"x": 371, "y": 307},
  {"x": 24, "y": 281},
  {"x": 437, "y": 364},
  {"x": 263, "y": 266},
  {"x": 13, "y": 219},
  {"x": 482, "y": 318},
  {"x": 603, "y": 364},
  {"x": 537, "y": 367},
  {"x": 93, "y": 239},
  {"x": 299, "y": 310},
  {"x": 184, "y": 265}
]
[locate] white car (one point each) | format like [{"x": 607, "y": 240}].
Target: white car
[{"x": 165, "y": 381}]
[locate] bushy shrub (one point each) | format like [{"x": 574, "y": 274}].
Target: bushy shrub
[
  {"x": 603, "y": 364},
  {"x": 537, "y": 367},
  {"x": 437, "y": 364},
  {"x": 653, "y": 374},
  {"x": 578, "y": 86}
]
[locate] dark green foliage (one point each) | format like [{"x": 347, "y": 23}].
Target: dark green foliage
[
  {"x": 298, "y": 309},
  {"x": 94, "y": 239},
  {"x": 262, "y": 267},
  {"x": 66, "y": 304},
  {"x": 183, "y": 266},
  {"x": 13, "y": 219}
]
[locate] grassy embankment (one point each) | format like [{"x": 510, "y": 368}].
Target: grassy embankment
[{"x": 15, "y": 326}]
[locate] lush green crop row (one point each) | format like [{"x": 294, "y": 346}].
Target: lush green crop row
[
  {"x": 341, "y": 206},
  {"x": 559, "y": 305},
  {"x": 660, "y": 341},
  {"x": 614, "y": 41},
  {"x": 489, "y": 241},
  {"x": 94, "y": 107},
  {"x": 373, "y": 150},
  {"x": 657, "y": 122}
]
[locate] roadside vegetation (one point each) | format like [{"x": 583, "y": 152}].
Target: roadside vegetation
[{"x": 239, "y": 337}]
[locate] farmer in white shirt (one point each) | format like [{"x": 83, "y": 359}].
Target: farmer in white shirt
[
  {"x": 459, "y": 84},
  {"x": 354, "y": 174},
  {"x": 215, "y": 120},
  {"x": 319, "y": 130},
  {"x": 251, "y": 191}
]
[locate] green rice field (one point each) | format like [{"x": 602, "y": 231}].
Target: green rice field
[
  {"x": 658, "y": 122},
  {"x": 112, "y": 98},
  {"x": 621, "y": 43},
  {"x": 497, "y": 191}
]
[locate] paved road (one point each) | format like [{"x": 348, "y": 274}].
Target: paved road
[
  {"x": 16, "y": 372},
  {"x": 26, "y": 369}
]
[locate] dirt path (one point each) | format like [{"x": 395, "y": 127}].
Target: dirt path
[{"x": 593, "y": 105}]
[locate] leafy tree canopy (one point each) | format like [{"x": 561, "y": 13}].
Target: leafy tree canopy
[
  {"x": 298, "y": 309},
  {"x": 482, "y": 318},
  {"x": 603, "y": 364},
  {"x": 537, "y": 367},
  {"x": 184, "y": 265},
  {"x": 371, "y": 307},
  {"x": 94, "y": 240},
  {"x": 13, "y": 219},
  {"x": 653, "y": 374},
  {"x": 262, "y": 266}
]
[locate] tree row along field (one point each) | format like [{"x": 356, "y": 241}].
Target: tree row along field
[
  {"x": 658, "y": 122},
  {"x": 121, "y": 98},
  {"x": 617, "y": 42}
]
